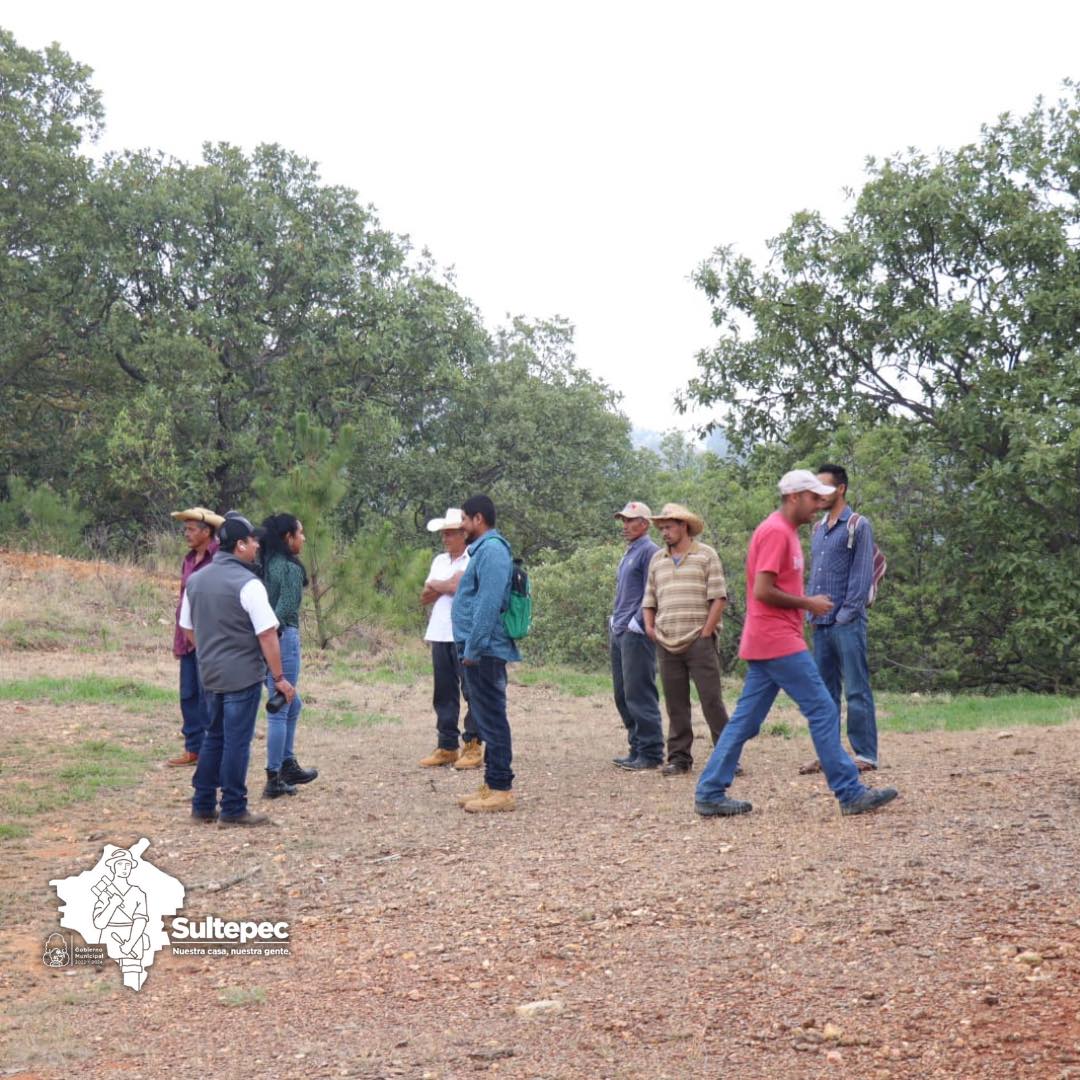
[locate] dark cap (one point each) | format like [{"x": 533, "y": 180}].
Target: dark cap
[{"x": 236, "y": 527}]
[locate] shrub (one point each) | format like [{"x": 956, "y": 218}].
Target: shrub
[{"x": 38, "y": 519}]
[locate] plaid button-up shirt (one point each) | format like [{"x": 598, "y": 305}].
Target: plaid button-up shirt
[{"x": 843, "y": 574}]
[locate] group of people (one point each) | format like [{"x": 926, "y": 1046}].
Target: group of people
[
  {"x": 668, "y": 611},
  {"x": 238, "y": 628}
]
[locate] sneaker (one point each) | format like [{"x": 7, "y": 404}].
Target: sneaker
[
  {"x": 491, "y": 803},
  {"x": 471, "y": 756},
  {"x": 869, "y": 800},
  {"x": 639, "y": 764},
  {"x": 622, "y": 762},
  {"x": 246, "y": 818},
  {"x": 186, "y": 758},
  {"x": 439, "y": 756},
  {"x": 722, "y": 807},
  {"x": 482, "y": 792},
  {"x": 675, "y": 768}
]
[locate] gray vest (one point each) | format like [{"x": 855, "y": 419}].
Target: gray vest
[{"x": 229, "y": 655}]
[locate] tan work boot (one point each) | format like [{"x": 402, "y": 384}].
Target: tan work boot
[
  {"x": 491, "y": 803},
  {"x": 482, "y": 792},
  {"x": 439, "y": 757},
  {"x": 471, "y": 756}
]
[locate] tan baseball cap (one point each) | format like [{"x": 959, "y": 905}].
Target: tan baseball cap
[
  {"x": 634, "y": 509},
  {"x": 791, "y": 483}
]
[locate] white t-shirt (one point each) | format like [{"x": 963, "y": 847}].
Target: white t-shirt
[
  {"x": 253, "y": 600},
  {"x": 440, "y": 627}
]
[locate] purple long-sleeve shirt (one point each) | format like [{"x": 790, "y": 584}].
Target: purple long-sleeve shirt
[{"x": 192, "y": 562}]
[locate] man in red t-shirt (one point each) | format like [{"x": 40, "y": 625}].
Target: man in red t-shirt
[{"x": 777, "y": 659}]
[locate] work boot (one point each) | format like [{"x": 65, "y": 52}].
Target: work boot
[
  {"x": 491, "y": 803},
  {"x": 722, "y": 807},
  {"x": 869, "y": 800},
  {"x": 291, "y": 772},
  {"x": 246, "y": 818},
  {"x": 186, "y": 758},
  {"x": 471, "y": 756},
  {"x": 275, "y": 786},
  {"x": 439, "y": 756},
  {"x": 482, "y": 792}
]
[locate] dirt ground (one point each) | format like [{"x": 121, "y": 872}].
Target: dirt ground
[{"x": 937, "y": 938}]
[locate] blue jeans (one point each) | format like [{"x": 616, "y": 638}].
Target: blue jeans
[
  {"x": 840, "y": 654},
  {"x": 226, "y": 750},
  {"x": 798, "y": 676},
  {"x": 192, "y": 703},
  {"x": 281, "y": 726},
  {"x": 449, "y": 686},
  {"x": 485, "y": 683},
  {"x": 633, "y": 675}
]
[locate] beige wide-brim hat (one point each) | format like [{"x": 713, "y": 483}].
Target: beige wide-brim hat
[
  {"x": 454, "y": 519},
  {"x": 199, "y": 513},
  {"x": 678, "y": 512}
]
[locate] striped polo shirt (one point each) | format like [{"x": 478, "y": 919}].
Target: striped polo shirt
[{"x": 681, "y": 594}]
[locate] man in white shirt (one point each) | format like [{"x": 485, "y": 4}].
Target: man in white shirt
[
  {"x": 227, "y": 615},
  {"x": 439, "y": 589}
]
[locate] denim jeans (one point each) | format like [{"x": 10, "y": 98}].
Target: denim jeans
[
  {"x": 485, "y": 682},
  {"x": 633, "y": 676},
  {"x": 449, "y": 687},
  {"x": 192, "y": 703},
  {"x": 798, "y": 676},
  {"x": 840, "y": 654},
  {"x": 226, "y": 750},
  {"x": 700, "y": 662},
  {"x": 281, "y": 726}
]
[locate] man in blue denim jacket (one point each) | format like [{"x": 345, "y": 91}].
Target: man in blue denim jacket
[
  {"x": 842, "y": 568},
  {"x": 484, "y": 647}
]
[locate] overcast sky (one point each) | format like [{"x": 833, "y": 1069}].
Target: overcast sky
[{"x": 571, "y": 158}]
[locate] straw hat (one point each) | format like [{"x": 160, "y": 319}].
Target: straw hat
[
  {"x": 199, "y": 513},
  {"x": 678, "y": 512}
]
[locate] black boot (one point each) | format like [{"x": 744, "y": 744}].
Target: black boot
[
  {"x": 276, "y": 786},
  {"x": 291, "y": 772}
]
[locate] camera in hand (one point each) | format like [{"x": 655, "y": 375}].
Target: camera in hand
[{"x": 275, "y": 702}]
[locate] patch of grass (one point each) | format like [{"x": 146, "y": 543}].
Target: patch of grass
[
  {"x": 238, "y": 996},
  {"x": 12, "y": 832},
  {"x": 40, "y": 635},
  {"x": 87, "y": 690},
  {"x": 404, "y": 669},
  {"x": 967, "y": 712},
  {"x": 349, "y": 718},
  {"x": 779, "y": 729},
  {"x": 72, "y": 774},
  {"x": 565, "y": 680}
]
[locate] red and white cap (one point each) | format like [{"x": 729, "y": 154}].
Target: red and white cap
[{"x": 634, "y": 509}]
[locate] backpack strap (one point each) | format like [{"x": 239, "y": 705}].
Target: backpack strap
[{"x": 852, "y": 525}]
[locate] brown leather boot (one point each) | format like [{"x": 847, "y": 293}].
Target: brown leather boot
[
  {"x": 439, "y": 757},
  {"x": 471, "y": 756},
  {"x": 493, "y": 802},
  {"x": 482, "y": 792}
]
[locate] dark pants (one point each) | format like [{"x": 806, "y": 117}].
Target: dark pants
[
  {"x": 701, "y": 662},
  {"x": 226, "y": 749},
  {"x": 449, "y": 688},
  {"x": 633, "y": 676},
  {"x": 840, "y": 655},
  {"x": 192, "y": 703},
  {"x": 485, "y": 682}
]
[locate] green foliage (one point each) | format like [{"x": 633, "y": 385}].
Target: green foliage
[
  {"x": 571, "y": 604},
  {"x": 968, "y": 712},
  {"x": 39, "y": 519},
  {"x": 85, "y": 690}
]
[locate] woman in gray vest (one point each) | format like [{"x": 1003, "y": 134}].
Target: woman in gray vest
[{"x": 285, "y": 578}]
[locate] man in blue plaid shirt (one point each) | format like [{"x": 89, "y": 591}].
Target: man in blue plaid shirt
[{"x": 842, "y": 568}]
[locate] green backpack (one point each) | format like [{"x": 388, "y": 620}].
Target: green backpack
[{"x": 517, "y": 618}]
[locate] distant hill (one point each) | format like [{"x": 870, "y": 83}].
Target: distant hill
[{"x": 648, "y": 439}]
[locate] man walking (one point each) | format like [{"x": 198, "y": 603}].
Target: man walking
[
  {"x": 633, "y": 652},
  {"x": 199, "y": 526},
  {"x": 774, "y": 646},
  {"x": 485, "y": 648},
  {"x": 842, "y": 568},
  {"x": 685, "y": 595},
  {"x": 442, "y": 582},
  {"x": 230, "y": 620}
]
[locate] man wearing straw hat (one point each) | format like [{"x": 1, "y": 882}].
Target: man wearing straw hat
[
  {"x": 685, "y": 595},
  {"x": 199, "y": 526},
  {"x": 439, "y": 588}
]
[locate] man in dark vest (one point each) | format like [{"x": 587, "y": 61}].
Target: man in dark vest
[{"x": 227, "y": 613}]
